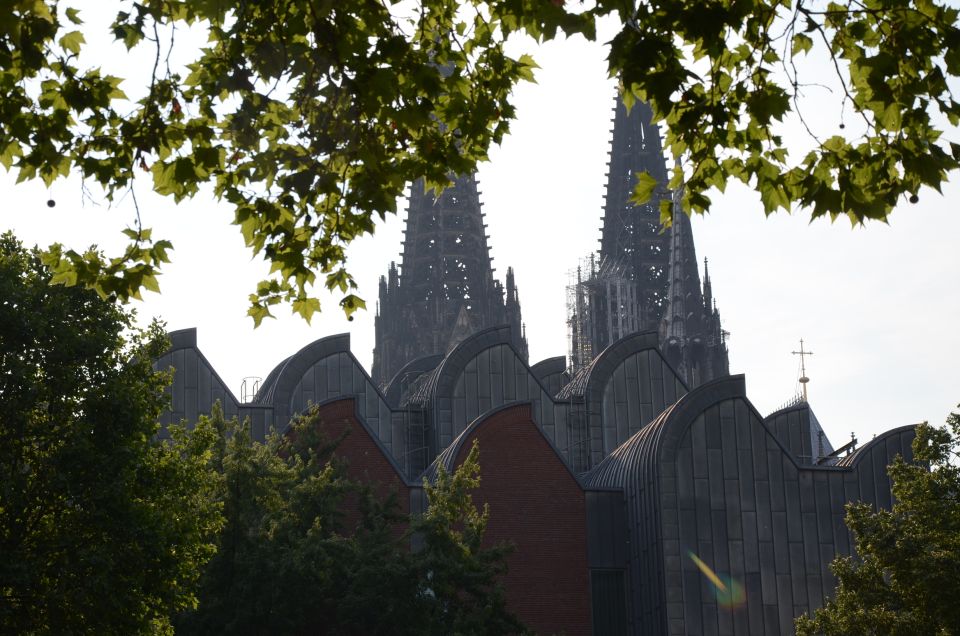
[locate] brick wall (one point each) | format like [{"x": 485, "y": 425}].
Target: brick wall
[
  {"x": 366, "y": 461},
  {"x": 536, "y": 504}
]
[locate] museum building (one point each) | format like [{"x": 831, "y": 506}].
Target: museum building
[{"x": 643, "y": 491}]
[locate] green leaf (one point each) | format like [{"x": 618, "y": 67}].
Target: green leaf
[
  {"x": 11, "y": 150},
  {"x": 891, "y": 118},
  {"x": 74, "y": 15},
  {"x": 802, "y": 43},
  {"x": 257, "y": 311},
  {"x": 527, "y": 66},
  {"x": 116, "y": 92},
  {"x": 306, "y": 307},
  {"x": 644, "y": 188},
  {"x": 72, "y": 41},
  {"x": 149, "y": 282},
  {"x": 66, "y": 276}
]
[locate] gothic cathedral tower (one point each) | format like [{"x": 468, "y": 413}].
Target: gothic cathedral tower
[
  {"x": 644, "y": 277},
  {"x": 444, "y": 290}
]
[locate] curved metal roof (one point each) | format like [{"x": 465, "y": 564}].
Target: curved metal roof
[
  {"x": 600, "y": 368},
  {"x": 851, "y": 460},
  {"x": 419, "y": 366}
]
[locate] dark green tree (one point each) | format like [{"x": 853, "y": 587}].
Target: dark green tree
[
  {"x": 103, "y": 529},
  {"x": 307, "y": 550},
  {"x": 456, "y": 572},
  {"x": 308, "y": 118},
  {"x": 905, "y": 579}
]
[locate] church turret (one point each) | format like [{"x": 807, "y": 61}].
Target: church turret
[
  {"x": 394, "y": 277},
  {"x": 513, "y": 317},
  {"x": 445, "y": 289},
  {"x": 707, "y": 287}
]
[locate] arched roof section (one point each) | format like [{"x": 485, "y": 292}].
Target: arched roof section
[
  {"x": 619, "y": 393},
  {"x": 196, "y": 383},
  {"x": 614, "y": 356},
  {"x": 552, "y": 373},
  {"x": 447, "y": 372},
  {"x": 549, "y": 366},
  {"x": 635, "y": 467},
  {"x": 448, "y": 457},
  {"x": 266, "y": 387},
  {"x": 861, "y": 453},
  {"x": 326, "y": 369},
  {"x": 483, "y": 372},
  {"x": 284, "y": 376},
  {"x": 402, "y": 379},
  {"x": 640, "y": 453},
  {"x": 798, "y": 429},
  {"x": 594, "y": 375}
]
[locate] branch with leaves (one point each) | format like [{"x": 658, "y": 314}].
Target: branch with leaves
[{"x": 309, "y": 119}]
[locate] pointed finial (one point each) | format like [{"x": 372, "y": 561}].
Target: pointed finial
[
  {"x": 707, "y": 287},
  {"x": 803, "y": 367}
]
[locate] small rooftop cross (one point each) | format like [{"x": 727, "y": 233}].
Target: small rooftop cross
[{"x": 803, "y": 367}]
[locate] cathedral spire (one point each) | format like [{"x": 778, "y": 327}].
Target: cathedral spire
[
  {"x": 647, "y": 278},
  {"x": 624, "y": 290},
  {"x": 445, "y": 288},
  {"x": 631, "y": 234}
]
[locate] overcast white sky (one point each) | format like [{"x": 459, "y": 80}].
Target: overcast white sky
[{"x": 878, "y": 306}]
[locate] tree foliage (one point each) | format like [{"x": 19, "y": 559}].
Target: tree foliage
[
  {"x": 103, "y": 529},
  {"x": 306, "y": 549},
  {"x": 905, "y": 579},
  {"x": 308, "y": 118},
  {"x": 456, "y": 573}
]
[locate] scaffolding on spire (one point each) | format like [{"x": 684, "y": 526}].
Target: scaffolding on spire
[{"x": 602, "y": 307}]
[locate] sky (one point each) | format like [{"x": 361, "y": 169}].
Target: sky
[{"x": 879, "y": 306}]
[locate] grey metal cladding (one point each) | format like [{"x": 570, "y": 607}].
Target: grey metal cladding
[
  {"x": 607, "y": 539},
  {"x": 484, "y": 372},
  {"x": 196, "y": 386},
  {"x": 325, "y": 370},
  {"x": 772, "y": 541},
  {"x": 632, "y": 365},
  {"x": 609, "y": 600},
  {"x": 398, "y": 389},
  {"x": 552, "y": 373},
  {"x": 797, "y": 428}
]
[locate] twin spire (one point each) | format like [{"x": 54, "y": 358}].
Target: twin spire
[{"x": 643, "y": 278}]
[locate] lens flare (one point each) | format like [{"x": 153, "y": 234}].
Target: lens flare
[{"x": 728, "y": 591}]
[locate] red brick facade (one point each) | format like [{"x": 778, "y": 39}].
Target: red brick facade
[
  {"x": 536, "y": 504},
  {"x": 366, "y": 461}
]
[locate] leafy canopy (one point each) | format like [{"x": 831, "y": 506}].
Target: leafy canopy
[
  {"x": 906, "y": 577},
  {"x": 308, "y": 118},
  {"x": 308, "y": 549},
  {"x": 103, "y": 528}
]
